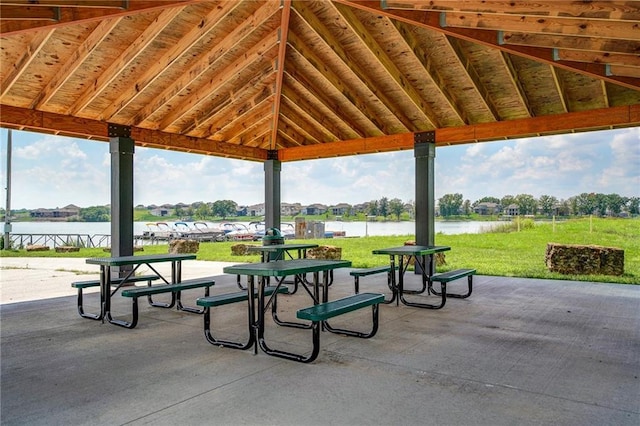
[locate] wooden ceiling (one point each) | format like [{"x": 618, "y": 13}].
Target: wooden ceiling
[{"x": 317, "y": 79}]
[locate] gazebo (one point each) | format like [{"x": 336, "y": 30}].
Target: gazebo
[{"x": 279, "y": 80}]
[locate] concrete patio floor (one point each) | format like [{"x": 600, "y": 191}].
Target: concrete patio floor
[{"x": 517, "y": 352}]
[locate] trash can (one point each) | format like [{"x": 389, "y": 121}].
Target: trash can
[{"x": 272, "y": 237}]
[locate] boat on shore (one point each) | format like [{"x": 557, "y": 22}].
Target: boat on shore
[
  {"x": 158, "y": 231},
  {"x": 199, "y": 231}
]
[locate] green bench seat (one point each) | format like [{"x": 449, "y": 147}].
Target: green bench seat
[
  {"x": 363, "y": 272},
  {"x": 174, "y": 289},
  {"x": 449, "y": 276},
  {"x": 226, "y": 299},
  {"x": 320, "y": 313},
  {"x": 324, "y": 311},
  {"x": 80, "y": 285}
]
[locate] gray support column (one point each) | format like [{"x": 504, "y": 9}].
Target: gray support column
[
  {"x": 121, "y": 147},
  {"x": 425, "y": 154},
  {"x": 272, "y": 168}
]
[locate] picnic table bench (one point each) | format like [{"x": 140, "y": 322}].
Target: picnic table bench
[
  {"x": 80, "y": 285},
  {"x": 445, "y": 277},
  {"x": 174, "y": 289},
  {"x": 226, "y": 299}
]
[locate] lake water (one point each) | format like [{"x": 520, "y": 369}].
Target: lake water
[{"x": 352, "y": 229}]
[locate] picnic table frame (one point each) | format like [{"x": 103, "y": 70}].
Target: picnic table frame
[
  {"x": 424, "y": 260},
  {"x": 106, "y": 263},
  {"x": 280, "y": 269},
  {"x": 279, "y": 250}
]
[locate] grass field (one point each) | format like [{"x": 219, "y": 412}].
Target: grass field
[{"x": 515, "y": 253}]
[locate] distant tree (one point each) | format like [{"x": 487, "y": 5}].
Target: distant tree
[
  {"x": 203, "y": 211},
  {"x": 396, "y": 207},
  {"x": 95, "y": 214},
  {"x": 633, "y": 205},
  {"x": 487, "y": 200},
  {"x": 372, "y": 208},
  {"x": 179, "y": 212},
  {"x": 601, "y": 204},
  {"x": 190, "y": 212},
  {"x": 526, "y": 204},
  {"x": 466, "y": 207},
  {"x": 507, "y": 200},
  {"x": 547, "y": 204},
  {"x": 450, "y": 204},
  {"x": 564, "y": 208},
  {"x": 383, "y": 207},
  {"x": 585, "y": 203},
  {"x": 224, "y": 208},
  {"x": 616, "y": 203}
]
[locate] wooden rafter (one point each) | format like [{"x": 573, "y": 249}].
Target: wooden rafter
[
  {"x": 266, "y": 48},
  {"x": 387, "y": 64},
  {"x": 125, "y": 58},
  {"x": 62, "y": 16},
  {"x": 602, "y": 9},
  {"x": 282, "y": 51},
  {"x": 20, "y": 66},
  {"x": 75, "y": 61},
  {"x": 169, "y": 58},
  {"x": 324, "y": 34},
  {"x": 432, "y": 20}
]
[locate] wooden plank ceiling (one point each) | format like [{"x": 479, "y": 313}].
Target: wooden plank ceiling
[{"x": 314, "y": 79}]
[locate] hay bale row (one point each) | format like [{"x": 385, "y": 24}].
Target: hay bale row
[{"x": 575, "y": 259}]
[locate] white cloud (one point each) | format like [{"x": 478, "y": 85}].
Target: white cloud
[{"x": 52, "y": 171}]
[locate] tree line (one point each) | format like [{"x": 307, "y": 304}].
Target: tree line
[
  {"x": 448, "y": 205},
  {"x": 548, "y": 205}
]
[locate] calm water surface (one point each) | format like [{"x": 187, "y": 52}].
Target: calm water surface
[{"x": 352, "y": 229}]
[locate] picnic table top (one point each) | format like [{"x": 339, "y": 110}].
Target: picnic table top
[
  {"x": 412, "y": 250},
  {"x": 135, "y": 260},
  {"x": 283, "y": 268},
  {"x": 279, "y": 247}
]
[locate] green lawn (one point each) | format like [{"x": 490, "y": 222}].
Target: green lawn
[{"x": 515, "y": 254}]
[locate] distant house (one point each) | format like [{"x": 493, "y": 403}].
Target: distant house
[
  {"x": 340, "y": 209},
  {"x": 287, "y": 209},
  {"x": 160, "y": 211},
  {"x": 255, "y": 210},
  {"x": 63, "y": 213},
  {"x": 487, "y": 208},
  {"x": 314, "y": 209},
  {"x": 512, "y": 210},
  {"x": 242, "y": 211}
]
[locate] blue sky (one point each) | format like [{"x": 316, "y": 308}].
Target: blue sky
[{"x": 51, "y": 171}]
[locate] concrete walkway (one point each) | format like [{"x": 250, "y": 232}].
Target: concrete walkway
[{"x": 517, "y": 352}]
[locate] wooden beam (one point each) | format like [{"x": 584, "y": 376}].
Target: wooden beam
[
  {"x": 372, "y": 145},
  {"x": 605, "y": 118},
  {"x": 266, "y": 49},
  {"x": 597, "y": 57},
  {"x": 592, "y": 8},
  {"x": 432, "y": 71},
  {"x": 45, "y": 122},
  {"x": 170, "y": 58},
  {"x": 327, "y": 36},
  {"x": 103, "y": 4},
  {"x": 284, "y": 30},
  {"x": 74, "y": 61},
  {"x": 594, "y": 44},
  {"x": 336, "y": 81},
  {"x": 626, "y": 30},
  {"x": 125, "y": 58},
  {"x": 35, "y": 45},
  {"x": 225, "y": 106},
  {"x": 431, "y": 20},
  {"x": 81, "y": 15},
  {"x": 393, "y": 72}
]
